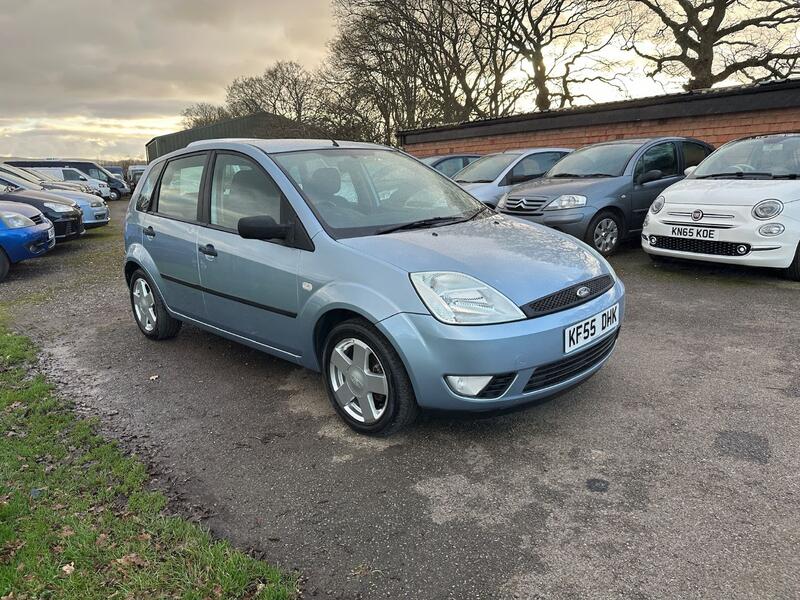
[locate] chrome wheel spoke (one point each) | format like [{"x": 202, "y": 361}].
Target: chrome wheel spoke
[
  {"x": 343, "y": 395},
  {"x": 340, "y": 360},
  {"x": 368, "y": 410},
  {"x": 361, "y": 354},
  {"x": 358, "y": 381},
  {"x": 376, "y": 384},
  {"x": 144, "y": 305}
]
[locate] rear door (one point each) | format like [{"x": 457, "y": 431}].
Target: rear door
[
  {"x": 170, "y": 229},
  {"x": 250, "y": 286}
]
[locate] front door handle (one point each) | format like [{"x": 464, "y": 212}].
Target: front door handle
[
  {"x": 149, "y": 232},
  {"x": 208, "y": 250}
]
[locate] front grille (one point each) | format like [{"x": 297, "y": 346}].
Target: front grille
[
  {"x": 699, "y": 246},
  {"x": 69, "y": 228},
  {"x": 525, "y": 206},
  {"x": 568, "y": 297},
  {"x": 38, "y": 219},
  {"x": 570, "y": 366},
  {"x": 497, "y": 386}
]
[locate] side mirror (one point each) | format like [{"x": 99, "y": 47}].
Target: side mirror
[
  {"x": 653, "y": 175},
  {"x": 82, "y": 178},
  {"x": 263, "y": 228},
  {"x": 689, "y": 170}
]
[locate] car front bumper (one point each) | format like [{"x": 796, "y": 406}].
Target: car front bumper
[
  {"x": 28, "y": 242},
  {"x": 432, "y": 350},
  {"x": 572, "y": 221},
  {"x": 96, "y": 217},
  {"x": 68, "y": 227},
  {"x": 736, "y": 237}
]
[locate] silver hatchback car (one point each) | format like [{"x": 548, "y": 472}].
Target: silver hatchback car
[{"x": 359, "y": 261}]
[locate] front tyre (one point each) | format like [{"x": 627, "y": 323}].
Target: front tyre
[
  {"x": 148, "y": 309},
  {"x": 5, "y": 264},
  {"x": 114, "y": 195},
  {"x": 605, "y": 232},
  {"x": 366, "y": 381},
  {"x": 793, "y": 272}
]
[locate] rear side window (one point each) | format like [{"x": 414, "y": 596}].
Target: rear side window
[
  {"x": 180, "y": 187},
  {"x": 240, "y": 188},
  {"x": 144, "y": 193},
  {"x": 693, "y": 154}
]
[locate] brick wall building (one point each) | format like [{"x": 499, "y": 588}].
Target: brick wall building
[{"x": 716, "y": 116}]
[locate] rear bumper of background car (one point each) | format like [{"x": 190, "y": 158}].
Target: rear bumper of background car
[{"x": 516, "y": 354}]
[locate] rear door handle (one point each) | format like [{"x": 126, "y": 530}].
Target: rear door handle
[
  {"x": 208, "y": 250},
  {"x": 149, "y": 232}
]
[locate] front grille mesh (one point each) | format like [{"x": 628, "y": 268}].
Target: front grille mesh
[
  {"x": 698, "y": 246},
  {"x": 37, "y": 219},
  {"x": 568, "y": 297},
  {"x": 497, "y": 386},
  {"x": 570, "y": 366},
  {"x": 525, "y": 206}
]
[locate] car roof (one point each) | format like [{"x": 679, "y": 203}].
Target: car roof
[
  {"x": 281, "y": 145},
  {"x": 649, "y": 140}
]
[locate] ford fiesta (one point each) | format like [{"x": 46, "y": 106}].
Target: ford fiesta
[
  {"x": 358, "y": 261},
  {"x": 741, "y": 205}
]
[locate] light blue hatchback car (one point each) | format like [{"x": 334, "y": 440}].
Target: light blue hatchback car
[{"x": 358, "y": 261}]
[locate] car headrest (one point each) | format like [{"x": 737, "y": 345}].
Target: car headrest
[
  {"x": 247, "y": 181},
  {"x": 325, "y": 182}
]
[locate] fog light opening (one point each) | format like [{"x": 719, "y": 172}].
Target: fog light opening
[
  {"x": 741, "y": 249},
  {"x": 771, "y": 229},
  {"x": 653, "y": 240},
  {"x": 468, "y": 385}
]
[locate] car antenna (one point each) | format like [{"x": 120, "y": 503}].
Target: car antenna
[{"x": 335, "y": 143}]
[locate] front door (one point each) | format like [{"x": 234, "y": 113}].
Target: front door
[
  {"x": 250, "y": 286},
  {"x": 662, "y": 157},
  {"x": 169, "y": 234}
]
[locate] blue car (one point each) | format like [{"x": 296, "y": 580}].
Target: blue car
[
  {"x": 358, "y": 261},
  {"x": 24, "y": 233}
]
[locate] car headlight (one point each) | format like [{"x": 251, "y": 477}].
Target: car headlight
[
  {"x": 771, "y": 229},
  {"x": 566, "y": 201},
  {"x": 15, "y": 220},
  {"x": 658, "y": 204},
  {"x": 59, "y": 208},
  {"x": 646, "y": 220},
  {"x": 766, "y": 209},
  {"x": 97, "y": 204},
  {"x": 459, "y": 299}
]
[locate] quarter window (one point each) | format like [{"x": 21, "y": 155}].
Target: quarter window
[
  {"x": 663, "y": 157},
  {"x": 240, "y": 188},
  {"x": 180, "y": 187}
]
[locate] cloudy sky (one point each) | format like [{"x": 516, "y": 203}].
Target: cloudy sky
[{"x": 100, "y": 78}]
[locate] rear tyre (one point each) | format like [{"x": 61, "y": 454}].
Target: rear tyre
[
  {"x": 5, "y": 264},
  {"x": 605, "y": 232},
  {"x": 366, "y": 381},
  {"x": 793, "y": 272},
  {"x": 148, "y": 309}
]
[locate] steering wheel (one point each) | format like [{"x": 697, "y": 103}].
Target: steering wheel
[{"x": 744, "y": 167}]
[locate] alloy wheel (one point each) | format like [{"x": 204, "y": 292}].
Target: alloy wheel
[
  {"x": 606, "y": 235},
  {"x": 144, "y": 305},
  {"x": 359, "y": 382}
]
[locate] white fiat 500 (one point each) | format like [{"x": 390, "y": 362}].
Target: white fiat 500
[{"x": 740, "y": 205}]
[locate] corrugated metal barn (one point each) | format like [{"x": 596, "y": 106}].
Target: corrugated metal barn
[{"x": 257, "y": 125}]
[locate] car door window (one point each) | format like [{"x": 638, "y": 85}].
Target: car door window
[
  {"x": 144, "y": 194},
  {"x": 450, "y": 166},
  {"x": 180, "y": 187},
  {"x": 240, "y": 188},
  {"x": 693, "y": 154},
  {"x": 535, "y": 165},
  {"x": 663, "y": 157},
  {"x": 70, "y": 175}
]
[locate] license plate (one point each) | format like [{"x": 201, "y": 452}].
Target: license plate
[
  {"x": 51, "y": 233},
  {"x": 578, "y": 335},
  {"x": 699, "y": 233}
]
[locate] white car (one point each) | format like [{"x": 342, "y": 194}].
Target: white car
[
  {"x": 490, "y": 177},
  {"x": 71, "y": 174},
  {"x": 741, "y": 205}
]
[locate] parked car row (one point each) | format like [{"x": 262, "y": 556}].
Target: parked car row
[
  {"x": 61, "y": 199},
  {"x": 603, "y": 194}
]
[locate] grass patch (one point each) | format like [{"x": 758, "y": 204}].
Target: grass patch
[{"x": 76, "y": 517}]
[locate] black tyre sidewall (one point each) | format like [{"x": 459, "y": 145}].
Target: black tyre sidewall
[
  {"x": 399, "y": 410},
  {"x": 114, "y": 195},
  {"x": 605, "y": 214},
  {"x": 165, "y": 324},
  {"x": 5, "y": 265},
  {"x": 793, "y": 272}
]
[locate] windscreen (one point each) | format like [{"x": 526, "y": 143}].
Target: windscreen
[
  {"x": 485, "y": 169},
  {"x": 755, "y": 158},
  {"x": 601, "y": 160}
]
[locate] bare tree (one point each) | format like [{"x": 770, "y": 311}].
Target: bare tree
[
  {"x": 285, "y": 89},
  {"x": 711, "y": 41},
  {"x": 203, "y": 113}
]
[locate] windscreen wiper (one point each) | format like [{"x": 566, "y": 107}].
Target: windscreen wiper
[
  {"x": 787, "y": 176},
  {"x": 565, "y": 175},
  {"x": 421, "y": 224},
  {"x": 736, "y": 174},
  {"x": 475, "y": 181}
]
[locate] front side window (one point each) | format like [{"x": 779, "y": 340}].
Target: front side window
[
  {"x": 663, "y": 157},
  {"x": 71, "y": 175},
  {"x": 357, "y": 192},
  {"x": 486, "y": 169},
  {"x": 535, "y": 165},
  {"x": 450, "y": 166},
  {"x": 96, "y": 173},
  {"x": 694, "y": 154},
  {"x": 240, "y": 188},
  {"x": 180, "y": 187},
  {"x": 600, "y": 160}
]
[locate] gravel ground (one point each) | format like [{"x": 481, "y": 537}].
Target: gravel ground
[{"x": 672, "y": 473}]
